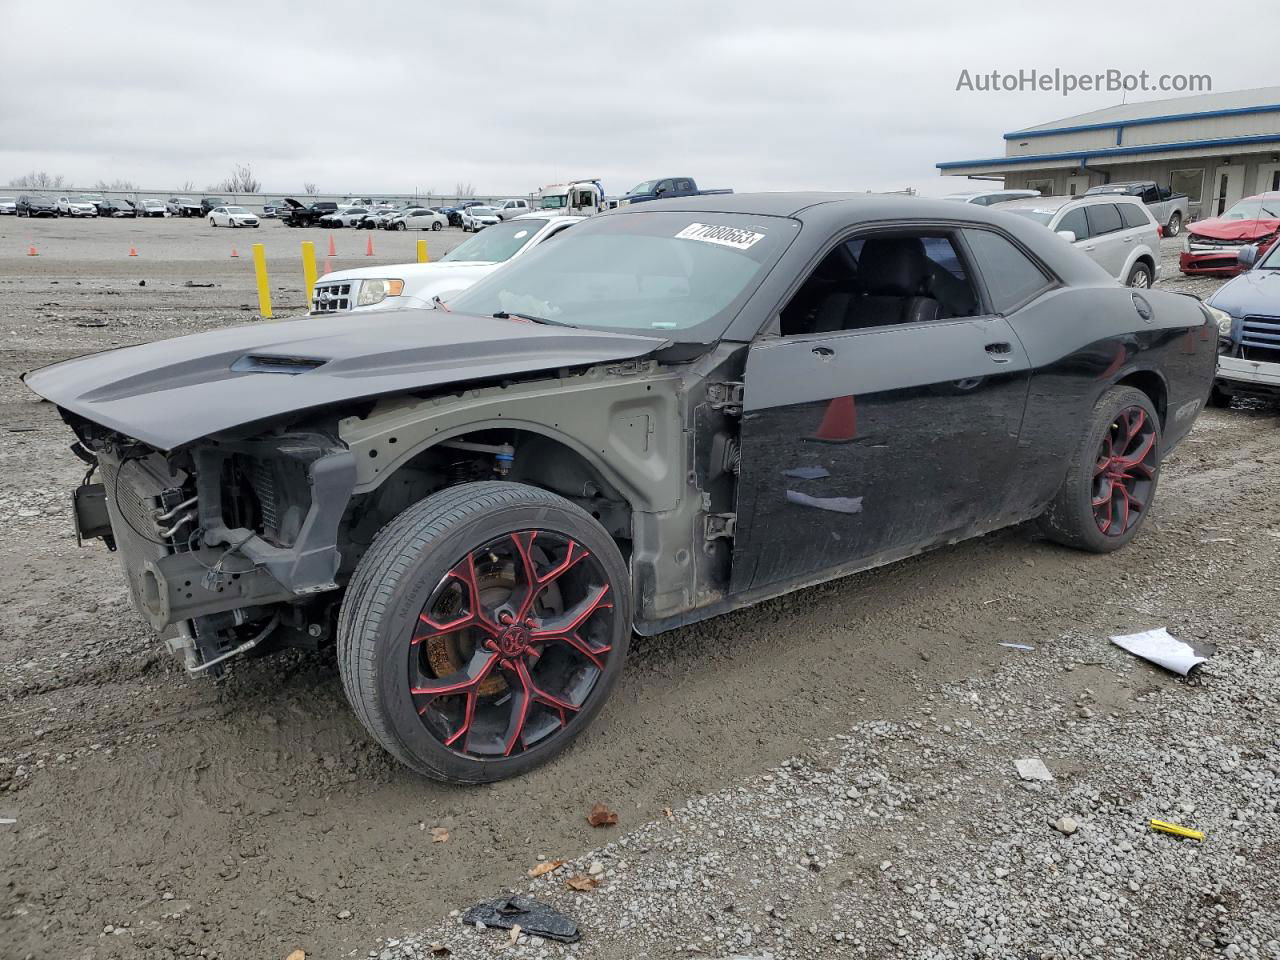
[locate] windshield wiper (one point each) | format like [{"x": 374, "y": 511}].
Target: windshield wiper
[{"x": 506, "y": 315}]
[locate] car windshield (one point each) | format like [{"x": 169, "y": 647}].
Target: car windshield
[
  {"x": 666, "y": 272},
  {"x": 1271, "y": 261},
  {"x": 1255, "y": 208},
  {"x": 236, "y": 210},
  {"x": 646, "y": 187},
  {"x": 496, "y": 244},
  {"x": 1038, "y": 214},
  {"x": 557, "y": 202},
  {"x": 79, "y": 199}
]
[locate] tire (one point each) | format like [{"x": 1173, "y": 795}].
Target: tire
[
  {"x": 402, "y": 226},
  {"x": 1074, "y": 517},
  {"x": 1139, "y": 276},
  {"x": 412, "y": 569},
  {"x": 213, "y": 222},
  {"x": 436, "y": 225},
  {"x": 1174, "y": 226},
  {"x": 1219, "y": 398}
]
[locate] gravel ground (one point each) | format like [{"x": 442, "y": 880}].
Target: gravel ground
[{"x": 838, "y": 764}]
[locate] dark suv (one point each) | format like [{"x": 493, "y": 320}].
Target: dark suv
[
  {"x": 294, "y": 214},
  {"x": 34, "y": 205}
]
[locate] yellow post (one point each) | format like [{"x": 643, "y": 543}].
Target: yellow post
[
  {"x": 264, "y": 285},
  {"x": 309, "y": 269},
  {"x": 422, "y": 252}
]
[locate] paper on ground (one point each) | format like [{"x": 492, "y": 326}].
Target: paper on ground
[
  {"x": 1033, "y": 768},
  {"x": 1162, "y": 649}
]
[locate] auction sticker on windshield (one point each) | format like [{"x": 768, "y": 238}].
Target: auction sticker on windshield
[{"x": 734, "y": 237}]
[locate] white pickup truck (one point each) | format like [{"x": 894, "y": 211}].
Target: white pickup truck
[
  {"x": 406, "y": 285},
  {"x": 1169, "y": 209}
]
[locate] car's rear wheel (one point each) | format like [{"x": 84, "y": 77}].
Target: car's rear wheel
[
  {"x": 1139, "y": 276},
  {"x": 436, "y": 225},
  {"x": 483, "y": 630},
  {"x": 1111, "y": 480},
  {"x": 1174, "y": 226}
]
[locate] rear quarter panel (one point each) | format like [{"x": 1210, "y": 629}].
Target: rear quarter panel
[{"x": 1081, "y": 342}]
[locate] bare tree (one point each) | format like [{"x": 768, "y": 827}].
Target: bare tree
[
  {"x": 241, "y": 180},
  {"x": 310, "y": 188},
  {"x": 188, "y": 187},
  {"x": 464, "y": 190},
  {"x": 40, "y": 180},
  {"x": 115, "y": 185}
]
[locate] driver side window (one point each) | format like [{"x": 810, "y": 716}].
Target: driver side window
[{"x": 880, "y": 280}]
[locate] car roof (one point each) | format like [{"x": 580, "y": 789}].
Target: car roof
[{"x": 1057, "y": 203}]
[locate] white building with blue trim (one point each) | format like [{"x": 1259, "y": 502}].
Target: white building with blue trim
[{"x": 1216, "y": 148}]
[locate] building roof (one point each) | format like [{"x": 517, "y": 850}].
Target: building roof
[
  {"x": 1259, "y": 99},
  {"x": 1078, "y": 152}
]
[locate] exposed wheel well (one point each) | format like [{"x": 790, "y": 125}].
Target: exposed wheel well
[
  {"x": 1152, "y": 385},
  {"x": 1148, "y": 262},
  {"x": 515, "y": 455}
]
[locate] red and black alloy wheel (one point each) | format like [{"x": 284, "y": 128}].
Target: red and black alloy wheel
[
  {"x": 484, "y": 629},
  {"x": 511, "y": 644},
  {"x": 1124, "y": 473},
  {"x": 1110, "y": 483}
]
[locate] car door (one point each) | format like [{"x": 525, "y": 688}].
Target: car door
[
  {"x": 1108, "y": 244},
  {"x": 861, "y": 445}
]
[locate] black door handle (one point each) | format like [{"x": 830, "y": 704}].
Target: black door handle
[{"x": 824, "y": 351}]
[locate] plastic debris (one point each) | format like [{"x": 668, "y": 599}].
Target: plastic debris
[
  {"x": 529, "y": 915},
  {"x": 7, "y": 820},
  {"x": 1165, "y": 827},
  {"x": 1018, "y": 646},
  {"x": 1158, "y": 647},
  {"x": 1033, "y": 768}
]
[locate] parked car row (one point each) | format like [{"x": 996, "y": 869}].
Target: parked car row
[{"x": 88, "y": 206}]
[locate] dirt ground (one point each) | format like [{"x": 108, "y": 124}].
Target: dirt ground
[{"x": 159, "y": 816}]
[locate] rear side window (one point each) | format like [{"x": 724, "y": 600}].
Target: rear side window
[
  {"x": 1074, "y": 220},
  {"x": 1103, "y": 218},
  {"x": 1012, "y": 277},
  {"x": 1134, "y": 215}
]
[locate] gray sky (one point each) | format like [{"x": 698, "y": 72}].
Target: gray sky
[{"x": 508, "y": 96}]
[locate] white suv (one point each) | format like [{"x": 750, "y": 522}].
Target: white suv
[
  {"x": 406, "y": 285},
  {"x": 75, "y": 207},
  {"x": 1117, "y": 233}
]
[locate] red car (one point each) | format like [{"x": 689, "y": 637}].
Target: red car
[{"x": 1211, "y": 245}]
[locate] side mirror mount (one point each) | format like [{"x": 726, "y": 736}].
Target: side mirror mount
[
  {"x": 1247, "y": 256},
  {"x": 1067, "y": 235}
]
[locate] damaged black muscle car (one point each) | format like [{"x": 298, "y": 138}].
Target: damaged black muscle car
[{"x": 669, "y": 412}]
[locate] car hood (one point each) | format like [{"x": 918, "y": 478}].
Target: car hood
[
  {"x": 1254, "y": 293},
  {"x": 172, "y": 392},
  {"x": 1245, "y": 230}
]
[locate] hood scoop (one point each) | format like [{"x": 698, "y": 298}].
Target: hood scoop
[{"x": 265, "y": 363}]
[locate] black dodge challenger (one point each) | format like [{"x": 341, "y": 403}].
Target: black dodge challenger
[{"x": 667, "y": 413}]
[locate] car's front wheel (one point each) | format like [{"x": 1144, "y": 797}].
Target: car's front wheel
[
  {"x": 213, "y": 222},
  {"x": 1111, "y": 479},
  {"x": 436, "y": 225},
  {"x": 483, "y": 630}
]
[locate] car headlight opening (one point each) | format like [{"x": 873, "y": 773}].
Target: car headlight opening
[
  {"x": 1222, "y": 318},
  {"x": 375, "y": 291}
]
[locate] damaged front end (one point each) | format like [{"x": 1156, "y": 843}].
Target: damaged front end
[{"x": 233, "y": 542}]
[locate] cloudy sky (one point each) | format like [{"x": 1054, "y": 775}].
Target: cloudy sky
[{"x": 508, "y": 96}]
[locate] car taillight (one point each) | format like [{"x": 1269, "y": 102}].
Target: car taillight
[{"x": 1159, "y": 230}]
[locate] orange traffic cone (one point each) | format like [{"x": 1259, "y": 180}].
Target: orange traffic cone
[
  {"x": 839, "y": 423},
  {"x": 368, "y": 249},
  {"x": 31, "y": 251},
  {"x": 327, "y": 268},
  {"x": 133, "y": 251},
  {"x": 332, "y": 250},
  {"x": 233, "y": 252}
]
